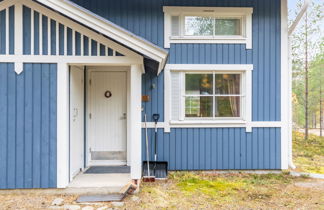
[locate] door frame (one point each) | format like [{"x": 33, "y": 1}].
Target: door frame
[{"x": 89, "y": 70}]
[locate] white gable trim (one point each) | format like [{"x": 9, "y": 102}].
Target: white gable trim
[{"x": 109, "y": 29}]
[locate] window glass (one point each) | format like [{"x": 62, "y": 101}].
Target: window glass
[
  {"x": 199, "y": 26},
  {"x": 200, "y": 106},
  {"x": 227, "y": 106},
  {"x": 226, "y": 84},
  {"x": 199, "y": 84},
  {"x": 212, "y": 95},
  {"x": 228, "y": 27}
]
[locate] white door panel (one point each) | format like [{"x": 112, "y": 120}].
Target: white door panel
[
  {"x": 76, "y": 120},
  {"x": 108, "y": 116}
]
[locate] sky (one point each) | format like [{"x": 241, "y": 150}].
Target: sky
[{"x": 292, "y": 5}]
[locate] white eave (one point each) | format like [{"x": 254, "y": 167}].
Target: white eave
[{"x": 109, "y": 29}]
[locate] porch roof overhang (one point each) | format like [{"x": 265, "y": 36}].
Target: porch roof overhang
[{"x": 155, "y": 57}]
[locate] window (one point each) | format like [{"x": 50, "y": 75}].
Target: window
[
  {"x": 212, "y": 95},
  {"x": 200, "y": 94},
  {"x": 208, "y": 25}
]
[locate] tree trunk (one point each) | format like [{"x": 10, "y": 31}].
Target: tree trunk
[
  {"x": 321, "y": 111},
  {"x": 306, "y": 77}
]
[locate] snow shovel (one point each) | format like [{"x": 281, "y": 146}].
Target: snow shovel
[
  {"x": 147, "y": 176},
  {"x": 160, "y": 168}
]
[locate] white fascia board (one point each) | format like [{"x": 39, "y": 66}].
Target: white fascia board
[
  {"x": 7, "y": 3},
  {"x": 109, "y": 29}
]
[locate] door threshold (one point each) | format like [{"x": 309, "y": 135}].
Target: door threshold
[{"x": 107, "y": 163}]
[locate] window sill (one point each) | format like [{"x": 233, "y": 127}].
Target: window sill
[
  {"x": 209, "y": 122},
  {"x": 202, "y": 40},
  {"x": 209, "y": 38}
]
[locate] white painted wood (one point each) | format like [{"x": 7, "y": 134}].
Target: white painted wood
[
  {"x": 19, "y": 67},
  {"x": 107, "y": 28},
  {"x": 108, "y": 115},
  {"x": 207, "y": 67},
  {"x": 18, "y": 29},
  {"x": 167, "y": 98},
  {"x": 244, "y": 13},
  {"x": 49, "y": 46},
  {"x": 175, "y": 83},
  {"x": 167, "y": 30},
  {"x": 175, "y": 93},
  {"x": 285, "y": 88},
  {"x": 32, "y": 32},
  {"x": 73, "y": 42},
  {"x": 7, "y": 3},
  {"x": 7, "y": 31},
  {"x": 93, "y": 60},
  {"x": 57, "y": 52},
  {"x": 65, "y": 41},
  {"x": 136, "y": 119},
  {"x": 82, "y": 47},
  {"x": 76, "y": 120},
  {"x": 218, "y": 124},
  {"x": 40, "y": 34},
  {"x": 62, "y": 125}
]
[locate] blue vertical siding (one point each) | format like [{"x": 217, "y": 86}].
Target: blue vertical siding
[
  {"x": 217, "y": 148},
  {"x": 28, "y": 126},
  {"x": 145, "y": 18}
]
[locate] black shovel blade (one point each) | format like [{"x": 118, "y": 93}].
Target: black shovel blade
[{"x": 159, "y": 169}]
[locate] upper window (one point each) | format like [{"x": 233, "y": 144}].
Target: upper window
[{"x": 208, "y": 25}]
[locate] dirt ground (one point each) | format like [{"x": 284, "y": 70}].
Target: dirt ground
[{"x": 188, "y": 190}]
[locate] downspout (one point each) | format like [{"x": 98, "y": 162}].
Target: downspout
[{"x": 290, "y": 32}]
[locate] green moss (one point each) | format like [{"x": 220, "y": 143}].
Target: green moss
[
  {"x": 308, "y": 154},
  {"x": 192, "y": 183}
]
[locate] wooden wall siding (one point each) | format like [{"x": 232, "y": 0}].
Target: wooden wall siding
[
  {"x": 217, "y": 148},
  {"x": 7, "y": 31},
  {"x": 28, "y": 126},
  {"x": 145, "y": 18},
  {"x": 45, "y": 36}
]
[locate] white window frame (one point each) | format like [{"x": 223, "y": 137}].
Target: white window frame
[
  {"x": 243, "y": 13},
  {"x": 246, "y": 90}
]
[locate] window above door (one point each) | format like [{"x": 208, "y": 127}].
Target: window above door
[{"x": 208, "y": 25}]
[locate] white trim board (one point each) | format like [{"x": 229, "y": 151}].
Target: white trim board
[
  {"x": 286, "y": 132},
  {"x": 245, "y": 69},
  {"x": 230, "y": 124}
]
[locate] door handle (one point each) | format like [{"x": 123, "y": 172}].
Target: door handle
[{"x": 124, "y": 117}]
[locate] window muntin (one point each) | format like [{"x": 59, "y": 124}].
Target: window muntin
[{"x": 212, "y": 95}]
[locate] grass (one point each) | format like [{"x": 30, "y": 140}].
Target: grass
[
  {"x": 202, "y": 190},
  {"x": 308, "y": 154}
]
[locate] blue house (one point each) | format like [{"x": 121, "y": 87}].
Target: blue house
[{"x": 77, "y": 78}]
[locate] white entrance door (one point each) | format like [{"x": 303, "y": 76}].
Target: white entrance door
[
  {"x": 107, "y": 124},
  {"x": 76, "y": 121}
]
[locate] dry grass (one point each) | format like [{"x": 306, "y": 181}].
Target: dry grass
[{"x": 187, "y": 190}]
